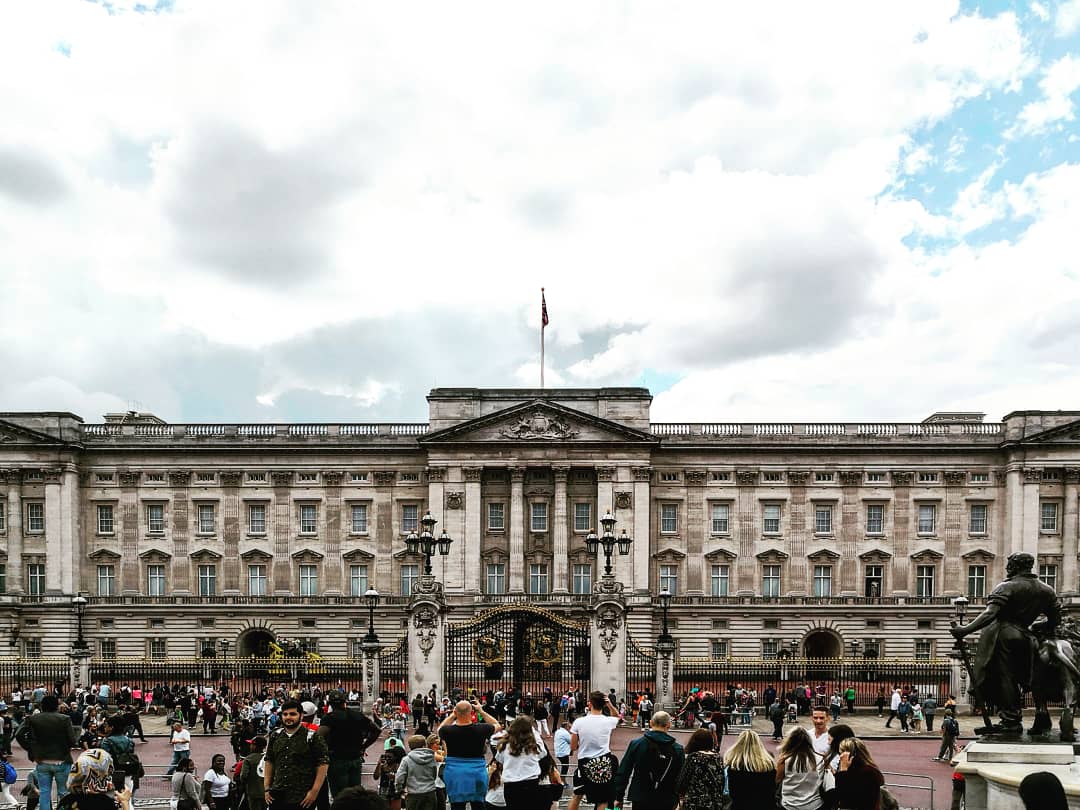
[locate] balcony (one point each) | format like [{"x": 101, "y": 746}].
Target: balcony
[
  {"x": 988, "y": 433},
  {"x": 253, "y": 434}
]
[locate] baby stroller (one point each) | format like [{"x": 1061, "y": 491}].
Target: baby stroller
[{"x": 792, "y": 713}]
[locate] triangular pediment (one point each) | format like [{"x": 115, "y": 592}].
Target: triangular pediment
[
  {"x": 823, "y": 554},
  {"x": 669, "y": 554},
  {"x": 12, "y": 435},
  {"x": 978, "y": 554},
  {"x": 720, "y": 555},
  {"x": 538, "y": 422},
  {"x": 771, "y": 555},
  {"x": 154, "y": 553},
  {"x": 1068, "y": 433},
  {"x": 875, "y": 555},
  {"x": 104, "y": 554},
  {"x": 927, "y": 554}
]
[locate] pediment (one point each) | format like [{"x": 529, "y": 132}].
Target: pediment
[
  {"x": 256, "y": 554},
  {"x": 772, "y": 554},
  {"x": 927, "y": 554},
  {"x": 204, "y": 554},
  {"x": 875, "y": 555},
  {"x": 358, "y": 555},
  {"x": 14, "y": 435},
  {"x": 668, "y": 554},
  {"x": 823, "y": 554},
  {"x": 721, "y": 555},
  {"x": 1068, "y": 433},
  {"x": 978, "y": 554},
  {"x": 539, "y": 422},
  {"x": 308, "y": 553},
  {"x": 154, "y": 553},
  {"x": 104, "y": 554}
]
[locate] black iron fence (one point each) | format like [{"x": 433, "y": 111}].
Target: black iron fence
[
  {"x": 27, "y": 673},
  {"x": 640, "y": 667}
]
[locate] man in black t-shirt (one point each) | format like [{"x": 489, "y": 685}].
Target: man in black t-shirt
[
  {"x": 465, "y": 737},
  {"x": 348, "y": 733}
]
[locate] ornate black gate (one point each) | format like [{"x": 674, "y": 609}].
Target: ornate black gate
[
  {"x": 518, "y": 645},
  {"x": 640, "y": 667}
]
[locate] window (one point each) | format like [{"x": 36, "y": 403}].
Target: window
[
  {"x": 822, "y": 519},
  {"x": 823, "y": 477},
  {"x": 924, "y": 649},
  {"x": 719, "y": 649},
  {"x": 257, "y": 580},
  {"x": 155, "y": 478},
  {"x": 721, "y": 576},
  {"x": 256, "y": 477},
  {"x": 980, "y": 478},
  {"x": 721, "y": 476},
  {"x": 770, "y": 580},
  {"x": 669, "y": 518},
  {"x": 155, "y": 518},
  {"x": 539, "y": 521},
  {"x": 204, "y": 478},
  {"x": 3, "y": 517},
  {"x": 410, "y": 520},
  {"x": 358, "y": 517},
  {"x": 873, "y": 580},
  {"x": 977, "y": 518},
  {"x": 207, "y": 580},
  {"x": 410, "y": 574},
  {"x": 770, "y": 648},
  {"x": 582, "y": 517},
  {"x": 773, "y": 477},
  {"x": 35, "y": 517},
  {"x": 35, "y": 579},
  {"x": 496, "y": 517},
  {"x": 538, "y": 578},
  {"x": 32, "y": 648},
  {"x": 496, "y": 578},
  {"x": 309, "y": 516},
  {"x": 1048, "y": 516},
  {"x": 357, "y": 477},
  {"x": 307, "y": 477},
  {"x": 104, "y": 478},
  {"x": 358, "y": 580},
  {"x": 206, "y": 518},
  {"x": 105, "y": 518},
  {"x": 875, "y": 477},
  {"x": 927, "y": 518},
  {"x": 924, "y": 581},
  {"x": 721, "y": 518},
  {"x": 410, "y": 477},
  {"x": 1048, "y": 575},
  {"x": 309, "y": 580},
  {"x": 256, "y": 518},
  {"x": 875, "y": 518},
  {"x": 1051, "y": 475},
  {"x": 976, "y": 581},
  {"x": 822, "y": 580},
  {"x": 158, "y": 649},
  {"x": 3, "y": 577},
  {"x": 928, "y": 478},
  {"x": 107, "y": 648},
  {"x": 155, "y": 579},
  {"x": 669, "y": 477},
  {"x": 582, "y": 578},
  {"x": 669, "y": 579},
  {"x": 106, "y": 580},
  {"x": 770, "y": 518}
]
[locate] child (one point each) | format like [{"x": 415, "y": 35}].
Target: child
[
  {"x": 916, "y": 717},
  {"x": 434, "y": 742},
  {"x": 30, "y": 791},
  {"x": 398, "y": 726},
  {"x": 416, "y": 775},
  {"x": 494, "y": 797},
  {"x": 385, "y": 771}
]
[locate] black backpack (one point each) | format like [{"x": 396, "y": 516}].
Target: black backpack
[{"x": 659, "y": 763}]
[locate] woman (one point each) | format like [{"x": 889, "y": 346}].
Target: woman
[
  {"x": 751, "y": 773},
  {"x": 1043, "y": 791},
  {"x": 831, "y": 761},
  {"x": 858, "y": 779},
  {"x": 185, "y": 790},
  {"x": 215, "y": 784},
  {"x": 701, "y": 782},
  {"x": 121, "y": 748},
  {"x": 797, "y": 772},
  {"x": 386, "y": 770},
  {"x": 519, "y": 754},
  {"x": 89, "y": 784}
]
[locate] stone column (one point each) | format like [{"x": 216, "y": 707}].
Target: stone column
[
  {"x": 58, "y": 568},
  {"x": 1029, "y": 538},
  {"x": 605, "y": 502},
  {"x": 560, "y": 534},
  {"x": 954, "y": 575},
  {"x": 608, "y": 642},
  {"x": 643, "y": 545},
  {"x": 332, "y": 531},
  {"x": 517, "y": 530},
  {"x": 1070, "y": 532},
  {"x": 1014, "y": 500},
  {"x": 694, "y": 531},
  {"x": 473, "y": 532},
  {"x": 850, "y": 531},
  {"x": 435, "y": 503},
  {"x": 371, "y": 678},
  {"x": 15, "y": 573},
  {"x": 901, "y": 513},
  {"x": 128, "y": 529},
  {"x": 80, "y": 666},
  {"x": 798, "y": 582},
  {"x": 70, "y": 536},
  {"x": 282, "y": 532},
  {"x": 180, "y": 575},
  {"x": 383, "y": 507},
  {"x": 665, "y": 680},
  {"x": 746, "y": 505},
  {"x": 427, "y": 636}
]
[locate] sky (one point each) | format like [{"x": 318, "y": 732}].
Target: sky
[{"x": 218, "y": 210}]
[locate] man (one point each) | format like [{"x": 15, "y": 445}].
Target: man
[
  {"x": 894, "y": 706},
  {"x": 348, "y": 733},
  {"x": 48, "y": 738},
  {"x": 1003, "y": 662},
  {"x": 776, "y": 715},
  {"x": 562, "y": 748},
  {"x": 819, "y": 734},
  {"x": 950, "y": 730},
  {"x": 465, "y": 736},
  {"x": 929, "y": 707},
  {"x": 296, "y": 763},
  {"x": 590, "y": 737},
  {"x": 651, "y": 767},
  {"x": 181, "y": 746},
  {"x": 645, "y": 710},
  {"x": 849, "y": 698}
]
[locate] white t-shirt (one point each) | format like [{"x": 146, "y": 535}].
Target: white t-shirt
[
  {"x": 821, "y": 744},
  {"x": 594, "y": 734},
  {"x": 895, "y": 701},
  {"x": 181, "y": 740},
  {"x": 219, "y": 783},
  {"x": 521, "y": 768}
]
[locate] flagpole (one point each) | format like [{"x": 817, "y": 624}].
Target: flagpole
[{"x": 542, "y": 325}]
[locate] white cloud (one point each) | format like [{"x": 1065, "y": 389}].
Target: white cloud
[
  {"x": 1067, "y": 19},
  {"x": 1040, "y": 11},
  {"x": 1058, "y": 83}
]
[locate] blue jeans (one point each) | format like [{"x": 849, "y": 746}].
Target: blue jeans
[
  {"x": 45, "y": 775},
  {"x": 177, "y": 758}
]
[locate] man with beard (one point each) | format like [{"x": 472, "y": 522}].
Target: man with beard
[
  {"x": 348, "y": 733},
  {"x": 296, "y": 763}
]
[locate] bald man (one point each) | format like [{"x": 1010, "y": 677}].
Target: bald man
[{"x": 465, "y": 732}]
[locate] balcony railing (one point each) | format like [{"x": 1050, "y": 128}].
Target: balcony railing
[
  {"x": 254, "y": 433},
  {"x": 990, "y": 432},
  {"x": 940, "y": 601}
]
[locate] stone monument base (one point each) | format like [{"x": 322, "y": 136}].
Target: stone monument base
[{"x": 993, "y": 771}]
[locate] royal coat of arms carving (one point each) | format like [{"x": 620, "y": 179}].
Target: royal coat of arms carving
[
  {"x": 539, "y": 425},
  {"x": 488, "y": 650},
  {"x": 544, "y": 647}
]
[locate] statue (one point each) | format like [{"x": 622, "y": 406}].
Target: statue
[{"x": 1005, "y": 664}]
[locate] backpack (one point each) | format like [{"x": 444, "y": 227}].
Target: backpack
[
  {"x": 260, "y": 769},
  {"x": 11, "y": 776},
  {"x": 659, "y": 761},
  {"x": 952, "y": 728}
]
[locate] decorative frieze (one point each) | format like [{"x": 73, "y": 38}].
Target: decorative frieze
[
  {"x": 179, "y": 478},
  {"x": 435, "y": 474},
  {"x": 642, "y": 475},
  {"x": 902, "y": 478},
  {"x": 798, "y": 478},
  {"x": 384, "y": 478},
  {"x": 455, "y": 500},
  {"x": 473, "y": 475},
  {"x": 955, "y": 478},
  {"x": 695, "y": 478},
  {"x": 850, "y": 478},
  {"x": 281, "y": 478},
  {"x": 230, "y": 478},
  {"x": 129, "y": 478},
  {"x": 746, "y": 478}
]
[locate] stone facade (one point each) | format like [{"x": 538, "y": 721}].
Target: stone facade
[{"x": 768, "y": 534}]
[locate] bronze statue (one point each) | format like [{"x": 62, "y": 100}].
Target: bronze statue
[{"x": 1004, "y": 667}]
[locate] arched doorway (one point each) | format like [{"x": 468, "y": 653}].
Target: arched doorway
[
  {"x": 254, "y": 642},
  {"x": 823, "y": 644}
]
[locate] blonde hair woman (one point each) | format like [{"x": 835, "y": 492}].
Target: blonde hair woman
[
  {"x": 751, "y": 773},
  {"x": 797, "y": 772}
]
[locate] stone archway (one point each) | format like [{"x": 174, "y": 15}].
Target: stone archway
[
  {"x": 821, "y": 643},
  {"x": 254, "y": 642}
]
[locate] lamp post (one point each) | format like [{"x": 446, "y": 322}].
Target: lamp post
[
  {"x": 665, "y": 651},
  {"x": 794, "y": 645},
  {"x": 78, "y": 604},
  {"x": 960, "y": 606},
  {"x": 783, "y": 654},
  {"x": 426, "y": 542},
  {"x": 665, "y": 643},
  {"x": 224, "y": 645},
  {"x": 369, "y": 645},
  {"x": 370, "y": 640},
  {"x": 608, "y": 540}
]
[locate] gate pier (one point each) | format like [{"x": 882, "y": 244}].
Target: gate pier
[
  {"x": 608, "y": 636},
  {"x": 427, "y": 635}
]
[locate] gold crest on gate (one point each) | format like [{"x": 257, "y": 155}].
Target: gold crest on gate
[
  {"x": 488, "y": 650},
  {"x": 544, "y": 647}
]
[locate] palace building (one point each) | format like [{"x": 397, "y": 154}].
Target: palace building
[{"x": 778, "y": 542}]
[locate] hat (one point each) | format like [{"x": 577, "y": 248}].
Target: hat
[
  {"x": 336, "y": 697},
  {"x": 308, "y": 708}
]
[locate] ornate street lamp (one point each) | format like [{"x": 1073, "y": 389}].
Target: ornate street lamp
[
  {"x": 78, "y": 604},
  {"x": 426, "y": 542},
  {"x": 855, "y": 644},
  {"x": 370, "y": 640},
  {"x": 665, "y": 643},
  {"x": 960, "y": 606},
  {"x": 608, "y": 540}
]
